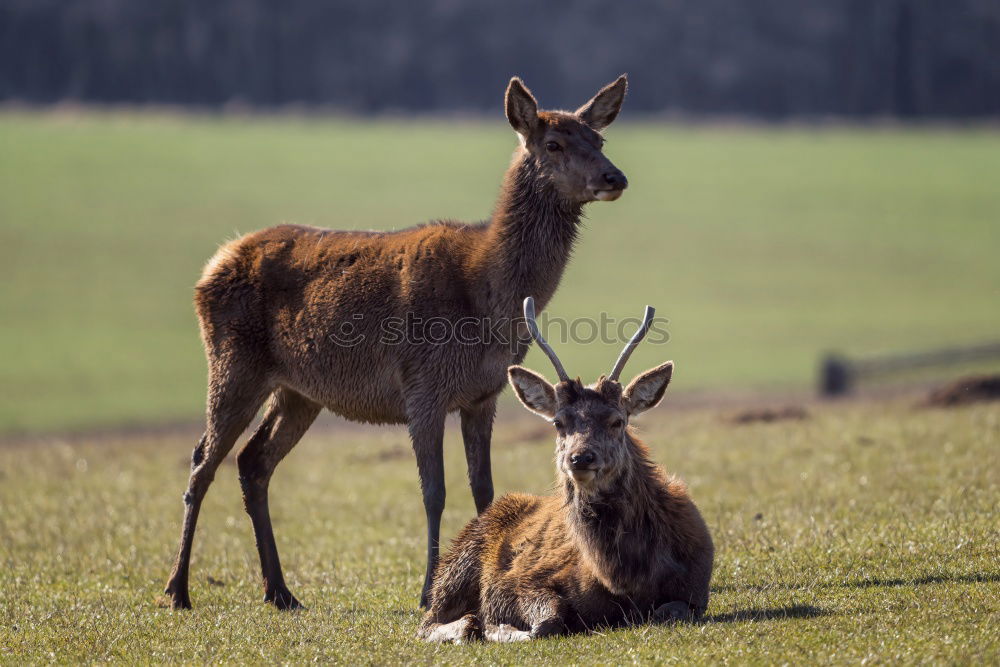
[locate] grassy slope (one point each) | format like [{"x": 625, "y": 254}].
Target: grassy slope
[
  {"x": 763, "y": 246},
  {"x": 866, "y": 532}
]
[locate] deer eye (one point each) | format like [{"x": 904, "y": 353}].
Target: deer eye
[
  {"x": 616, "y": 423},
  {"x": 553, "y": 147},
  {"x": 558, "y": 424}
]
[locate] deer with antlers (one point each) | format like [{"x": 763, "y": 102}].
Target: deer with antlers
[
  {"x": 619, "y": 543},
  {"x": 296, "y": 317}
]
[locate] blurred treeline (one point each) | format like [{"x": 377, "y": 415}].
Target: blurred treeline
[{"x": 765, "y": 58}]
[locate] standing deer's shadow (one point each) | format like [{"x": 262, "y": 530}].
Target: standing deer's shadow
[
  {"x": 871, "y": 582},
  {"x": 810, "y": 611}
]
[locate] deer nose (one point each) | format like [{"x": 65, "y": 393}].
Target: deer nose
[
  {"x": 581, "y": 459},
  {"x": 616, "y": 179}
]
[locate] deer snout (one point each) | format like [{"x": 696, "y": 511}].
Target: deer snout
[
  {"x": 584, "y": 459},
  {"x": 583, "y": 466},
  {"x": 616, "y": 179},
  {"x": 609, "y": 185}
]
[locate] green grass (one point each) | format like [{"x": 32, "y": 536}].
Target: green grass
[
  {"x": 867, "y": 533},
  {"x": 763, "y": 246}
]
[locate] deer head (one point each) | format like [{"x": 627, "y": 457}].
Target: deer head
[
  {"x": 567, "y": 147},
  {"x": 591, "y": 422}
]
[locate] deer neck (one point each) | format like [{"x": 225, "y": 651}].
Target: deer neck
[
  {"x": 616, "y": 528},
  {"x": 529, "y": 239}
]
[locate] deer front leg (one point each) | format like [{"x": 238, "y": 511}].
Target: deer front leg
[
  {"x": 477, "y": 429},
  {"x": 427, "y": 434}
]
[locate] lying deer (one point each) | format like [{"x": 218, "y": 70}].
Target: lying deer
[
  {"x": 296, "y": 316},
  {"x": 621, "y": 542}
]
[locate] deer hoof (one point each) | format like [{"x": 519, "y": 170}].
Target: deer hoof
[
  {"x": 177, "y": 596},
  {"x": 283, "y": 600},
  {"x": 506, "y": 634},
  {"x": 178, "y": 603},
  {"x": 463, "y": 630}
]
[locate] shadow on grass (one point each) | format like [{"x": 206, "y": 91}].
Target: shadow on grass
[
  {"x": 875, "y": 582},
  {"x": 872, "y": 582},
  {"x": 768, "y": 614}
]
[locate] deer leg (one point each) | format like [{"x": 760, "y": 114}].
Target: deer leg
[
  {"x": 455, "y": 597},
  {"x": 505, "y": 634},
  {"x": 544, "y": 612},
  {"x": 427, "y": 433},
  {"x": 287, "y": 417},
  {"x": 464, "y": 629},
  {"x": 477, "y": 428},
  {"x": 543, "y": 615},
  {"x": 231, "y": 408}
]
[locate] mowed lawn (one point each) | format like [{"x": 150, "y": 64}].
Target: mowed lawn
[
  {"x": 763, "y": 246},
  {"x": 865, "y": 533}
]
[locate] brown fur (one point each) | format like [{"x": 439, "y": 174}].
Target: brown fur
[
  {"x": 619, "y": 543},
  {"x": 270, "y": 303}
]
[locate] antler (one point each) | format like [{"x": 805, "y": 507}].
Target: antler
[
  {"x": 529, "y": 317},
  {"x": 647, "y": 319}
]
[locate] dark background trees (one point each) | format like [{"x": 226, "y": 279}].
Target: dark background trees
[{"x": 764, "y": 58}]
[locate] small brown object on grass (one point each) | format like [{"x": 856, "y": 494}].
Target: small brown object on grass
[
  {"x": 768, "y": 415},
  {"x": 972, "y": 389}
]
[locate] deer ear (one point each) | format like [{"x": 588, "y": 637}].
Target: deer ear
[
  {"x": 521, "y": 107},
  {"x": 605, "y": 105},
  {"x": 533, "y": 391},
  {"x": 646, "y": 390}
]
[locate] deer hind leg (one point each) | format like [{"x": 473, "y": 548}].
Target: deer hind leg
[
  {"x": 455, "y": 596},
  {"x": 546, "y": 625},
  {"x": 468, "y": 628},
  {"x": 544, "y": 612},
  {"x": 505, "y": 634},
  {"x": 287, "y": 417},
  {"x": 233, "y": 401},
  {"x": 477, "y": 429},
  {"x": 540, "y": 610}
]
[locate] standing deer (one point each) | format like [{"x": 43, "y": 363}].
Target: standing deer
[
  {"x": 273, "y": 307},
  {"x": 620, "y": 542}
]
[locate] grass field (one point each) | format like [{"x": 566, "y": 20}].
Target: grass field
[
  {"x": 867, "y": 533},
  {"x": 763, "y": 246}
]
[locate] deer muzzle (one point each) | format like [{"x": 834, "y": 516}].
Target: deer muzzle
[
  {"x": 583, "y": 465},
  {"x": 612, "y": 186}
]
